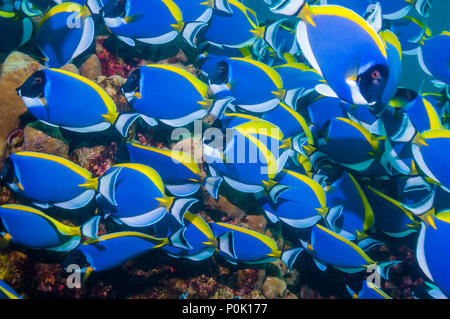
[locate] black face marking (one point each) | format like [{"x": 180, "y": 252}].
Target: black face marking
[
  {"x": 8, "y": 174},
  {"x": 33, "y": 86},
  {"x": 132, "y": 83},
  {"x": 220, "y": 73},
  {"x": 372, "y": 82},
  {"x": 114, "y": 9}
]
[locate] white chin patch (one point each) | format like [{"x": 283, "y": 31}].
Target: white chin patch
[
  {"x": 114, "y": 22},
  {"x": 130, "y": 96},
  {"x": 32, "y": 102},
  {"x": 357, "y": 97}
]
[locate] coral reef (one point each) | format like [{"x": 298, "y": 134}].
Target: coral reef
[{"x": 15, "y": 70}]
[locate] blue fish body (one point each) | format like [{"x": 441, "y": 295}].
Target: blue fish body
[
  {"x": 290, "y": 122},
  {"x": 394, "y": 54},
  {"x": 247, "y": 246},
  {"x": 395, "y": 9},
  {"x": 249, "y": 159},
  {"x": 194, "y": 10},
  {"x": 179, "y": 170},
  {"x": 368, "y": 291},
  {"x": 298, "y": 75},
  {"x": 431, "y": 158},
  {"x": 360, "y": 73},
  {"x": 17, "y": 31},
  {"x": 6, "y": 292},
  {"x": 64, "y": 33},
  {"x": 300, "y": 206},
  {"x": 70, "y": 101},
  {"x": 232, "y": 30},
  {"x": 112, "y": 250},
  {"x": 153, "y": 90},
  {"x": 390, "y": 216},
  {"x": 359, "y": 113},
  {"x": 238, "y": 79},
  {"x": 344, "y": 137},
  {"x": 214, "y": 55},
  {"x": 135, "y": 189},
  {"x": 172, "y": 169},
  {"x": 423, "y": 115},
  {"x": 48, "y": 179},
  {"x": 323, "y": 109},
  {"x": 431, "y": 251},
  {"x": 151, "y": 21},
  {"x": 298, "y": 80},
  {"x": 198, "y": 237},
  {"x": 442, "y": 200},
  {"x": 434, "y": 57},
  {"x": 356, "y": 216},
  {"x": 31, "y": 228},
  {"x": 410, "y": 32},
  {"x": 332, "y": 249}
]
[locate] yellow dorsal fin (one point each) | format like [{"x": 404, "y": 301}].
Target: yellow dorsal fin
[
  {"x": 307, "y": 15},
  {"x": 179, "y": 26}
]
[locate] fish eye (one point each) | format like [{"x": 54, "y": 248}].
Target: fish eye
[
  {"x": 376, "y": 75},
  {"x": 37, "y": 81}
]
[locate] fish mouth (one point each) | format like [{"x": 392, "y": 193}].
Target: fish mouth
[
  {"x": 8, "y": 174},
  {"x": 132, "y": 87},
  {"x": 130, "y": 96}
]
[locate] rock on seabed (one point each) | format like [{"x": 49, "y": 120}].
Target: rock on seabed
[{"x": 15, "y": 70}]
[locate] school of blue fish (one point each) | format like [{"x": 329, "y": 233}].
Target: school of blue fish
[{"x": 327, "y": 141}]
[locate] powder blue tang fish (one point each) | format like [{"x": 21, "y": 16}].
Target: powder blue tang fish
[
  {"x": 322, "y": 109},
  {"x": 194, "y": 241},
  {"x": 301, "y": 205},
  {"x": 31, "y": 228},
  {"x": 430, "y": 156},
  {"x": 112, "y": 250},
  {"x": 394, "y": 54},
  {"x": 328, "y": 248},
  {"x": 360, "y": 73},
  {"x": 434, "y": 57},
  {"x": 64, "y": 33},
  {"x": 298, "y": 81},
  {"x": 94, "y": 5},
  {"x": 73, "y": 102},
  {"x": 18, "y": 31},
  {"x": 236, "y": 77},
  {"x": 410, "y": 32},
  {"x": 148, "y": 88},
  {"x": 237, "y": 244},
  {"x": 343, "y": 137},
  {"x": 248, "y": 160},
  {"x": 48, "y": 180},
  {"x": 368, "y": 291},
  {"x": 390, "y": 215},
  {"x": 233, "y": 30},
  {"x": 290, "y": 122},
  {"x": 134, "y": 194},
  {"x": 179, "y": 170},
  {"x": 355, "y": 215},
  {"x": 431, "y": 251},
  {"x": 395, "y": 9},
  {"x": 212, "y": 55},
  {"x": 148, "y": 21},
  {"x": 6, "y": 292}
]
